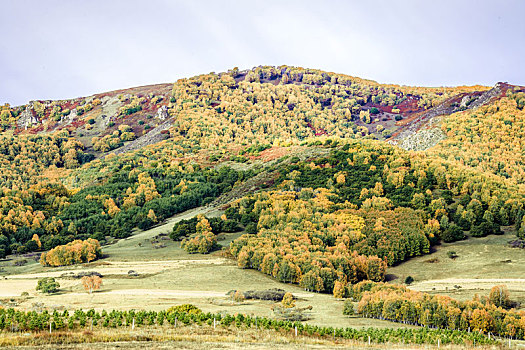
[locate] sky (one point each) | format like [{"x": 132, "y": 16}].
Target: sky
[{"x": 59, "y": 49}]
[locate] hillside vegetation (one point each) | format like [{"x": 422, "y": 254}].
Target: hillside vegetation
[
  {"x": 53, "y": 188},
  {"x": 295, "y": 160}
]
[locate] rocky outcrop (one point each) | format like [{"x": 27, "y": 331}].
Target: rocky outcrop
[
  {"x": 162, "y": 113},
  {"x": 154, "y": 136},
  {"x": 425, "y": 138},
  {"x": 110, "y": 106},
  {"x": 464, "y": 101},
  {"x": 487, "y": 96},
  {"x": 68, "y": 119},
  {"x": 424, "y": 132},
  {"x": 27, "y": 118}
]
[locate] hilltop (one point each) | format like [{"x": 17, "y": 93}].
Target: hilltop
[{"x": 354, "y": 106}]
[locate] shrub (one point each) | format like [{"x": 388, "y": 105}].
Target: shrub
[
  {"x": 348, "y": 308},
  {"x": 398, "y": 117},
  {"x": 47, "y": 285},
  {"x": 214, "y": 158},
  {"x": 230, "y": 226},
  {"x": 127, "y": 136},
  {"x": 251, "y": 228},
  {"x": 481, "y": 230},
  {"x": 274, "y": 294},
  {"x": 452, "y": 254},
  {"x": 238, "y": 296},
  {"x": 291, "y": 313},
  {"x": 184, "y": 308},
  {"x": 386, "y": 133},
  {"x": 453, "y": 233},
  {"x": 130, "y": 109},
  {"x": 288, "y": 300},
  {"x": 409, "y": 280},
  {"x": 200, "y": 243},
  {"x": 239, "y": 159},
  {"x": 20, "y": 262}
]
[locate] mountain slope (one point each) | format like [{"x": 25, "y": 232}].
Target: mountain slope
[{"x": 101, "y": 165}]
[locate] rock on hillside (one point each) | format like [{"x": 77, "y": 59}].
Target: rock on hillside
[{"x": 425, "y": 131}]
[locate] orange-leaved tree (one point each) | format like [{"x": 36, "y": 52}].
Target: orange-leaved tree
[{"x": 91, "y": 283}]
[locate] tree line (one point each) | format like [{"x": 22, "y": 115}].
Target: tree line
[
  {"x": 397, "y": 303},
  {"x": 185, "y": 315}
]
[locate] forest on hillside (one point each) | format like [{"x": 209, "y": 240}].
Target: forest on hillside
[{"x": 364, "y": 206}]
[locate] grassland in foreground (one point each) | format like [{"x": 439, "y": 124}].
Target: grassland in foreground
[{"x": 169, "y": 276}]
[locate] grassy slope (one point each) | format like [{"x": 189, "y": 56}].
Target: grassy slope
[{"x": 481, "y": 264}]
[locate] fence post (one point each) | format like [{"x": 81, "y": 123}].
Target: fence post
[
  {"x": 133, "y": 324},
  {"x": 368, "y": 340},
  {"x": 296, "y": 331},
  {"x": 214, "y": 323},
  {"x": 50, "y": 326},
  {"x": 439, "y": 342},
  {"x": 175, "y": 321}
]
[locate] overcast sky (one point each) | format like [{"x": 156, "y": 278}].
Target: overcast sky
[{"x": 70, "y": 48}]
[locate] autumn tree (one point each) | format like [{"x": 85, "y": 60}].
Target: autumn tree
[
  {"x": 72, "y": 253},
  {"x": 37, "y": 240},
  {"x": 288, "y": 300},
  {"x": 339, "y": 290},
  {"x": 500, "y": 296},
  {"x": 91, "y": 283}
]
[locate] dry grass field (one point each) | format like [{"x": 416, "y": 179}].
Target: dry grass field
[
  {"x": 481, "y": 263},
  {"x": 193, "y": 337}
]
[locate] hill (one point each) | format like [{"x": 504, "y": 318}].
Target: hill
[{"x": 315, "y": 178}]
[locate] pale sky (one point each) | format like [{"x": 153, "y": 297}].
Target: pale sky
[{"x": 59, "y": 49}]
